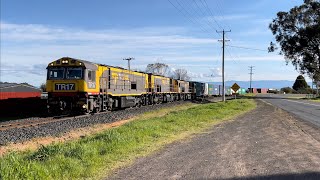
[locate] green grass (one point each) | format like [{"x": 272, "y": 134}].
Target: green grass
[
  {"x": 250, "y": 95},
  {"x": 95, "y": 156},
  {"x": 313, "y": 99},
  {"x": 316, "y": 100}
]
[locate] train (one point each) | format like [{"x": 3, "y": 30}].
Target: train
[{"x": 75, "y": 85}]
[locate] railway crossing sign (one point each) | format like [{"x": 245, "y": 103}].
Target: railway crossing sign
[{"x": 235, "y": 87}]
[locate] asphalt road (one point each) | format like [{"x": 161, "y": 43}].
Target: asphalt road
[
  {"x": 303, "y": 109},
  {"x": 266, "y": 143}
]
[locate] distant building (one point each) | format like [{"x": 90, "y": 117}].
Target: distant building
[
  {"x": 258, "y": 90},
  {"x": 14, "y": 90}
]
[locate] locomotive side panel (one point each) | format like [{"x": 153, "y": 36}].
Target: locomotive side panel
[
  {"x": 174, "y": 86},
  {"x": 125, "y": 83},
  {"x": 183, "y": 86},
  {"x": 159, "y": 84}
]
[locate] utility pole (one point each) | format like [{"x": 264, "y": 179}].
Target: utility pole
[
  {"x": 223, "y": 84},
  {"x": 128, "y": 59},
  {"x": 251, "y": 68}
]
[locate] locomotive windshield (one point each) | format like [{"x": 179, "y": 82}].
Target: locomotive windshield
[
  {"x": 56, "y": 73},
  {"x": 74, "y": 73}
]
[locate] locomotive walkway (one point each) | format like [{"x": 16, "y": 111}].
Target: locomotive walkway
[{"x": 266, "y": 143}]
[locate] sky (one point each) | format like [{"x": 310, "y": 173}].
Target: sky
[{"x": 180, "y": 33}]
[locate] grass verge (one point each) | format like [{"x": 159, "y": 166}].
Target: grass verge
[
  {"x": 250, "y": 95},
  {"x": 97, "y": 155},
  {"x": 315, "y": 100}
]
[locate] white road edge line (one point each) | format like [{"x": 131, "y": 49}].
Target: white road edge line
[{"x": 303, "y": 103}]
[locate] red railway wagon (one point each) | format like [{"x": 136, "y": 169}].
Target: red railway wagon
[{"x": 13, "y": 90}]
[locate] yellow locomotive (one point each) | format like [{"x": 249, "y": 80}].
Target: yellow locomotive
[{"x": 75, "y": 85}]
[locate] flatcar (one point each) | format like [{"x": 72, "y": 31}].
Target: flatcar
[{"x": 75, "y": 85}]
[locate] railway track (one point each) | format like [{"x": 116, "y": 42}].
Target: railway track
[
  {"x": 37, "y": 122},
  {"x": 42, "y": 121},
  {"x": 26, "y": 129}
]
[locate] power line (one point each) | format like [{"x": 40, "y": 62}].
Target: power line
[
  {"x": 235, "y": 54},
  {"x": 189, "y": 11},
  {"x": 241, "y": 47},
  {"x": 204, "y": 19},
  {"x": 195, "y": 11},
  {"x": 219, "y": 7},
  {"x": 187, "y": 15},
  {"x": 210, "y": 12},
  {"x": 232, "y": 57}
]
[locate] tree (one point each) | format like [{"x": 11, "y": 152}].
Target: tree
[
  {"x": 43, "y": 87},
  {"x": 301, "y": 86},
  {"x": 300, "y": 83},
  {"x": 181, "y": 74},
  {"x": 158, "y": 68},
  {"x": 287, "y": 90},
  {"x": 298, "y": 34},
  {"x": 27, "y": 84}
]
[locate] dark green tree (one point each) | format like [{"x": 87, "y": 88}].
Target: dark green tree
[
  {"x": 300, "y": 84},
  {"x": 298, "y": 34}
]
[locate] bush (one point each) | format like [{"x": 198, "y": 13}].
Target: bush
[
  {"x": 287, "y": 90},
  {"x": 304, "y": 91}
]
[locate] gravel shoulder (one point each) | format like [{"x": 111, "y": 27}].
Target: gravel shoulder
[{"x": 266, "y": 143}]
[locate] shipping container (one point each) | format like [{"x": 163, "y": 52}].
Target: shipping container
[
  {"x": 206, "y": 89},
  {"x": 210, "y": 89},
  {"x": 215, "y": 90},
  {"x": 241, "y": 91},
  {"x": 200, "y": 88},
  {"x": 220, "y": 90},
  {"x": 228, "y": 91},
  {"x": 253, "y": 90},
  {"x": 262, "y": 90}
]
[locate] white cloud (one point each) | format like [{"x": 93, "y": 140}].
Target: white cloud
[
  {"x": 216, "y": 72},
  {"x": 147, "y": 36},
  {"x": 258, "y": 58},
  {"x": 231, "y": 17},
  {"x": 26, "y": 49}
]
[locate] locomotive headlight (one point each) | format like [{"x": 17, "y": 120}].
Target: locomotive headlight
[
  {"x": 65, "y": 61},
  {"x": 84, "y": 106}
]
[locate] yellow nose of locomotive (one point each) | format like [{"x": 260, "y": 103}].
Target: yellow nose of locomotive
[{"x": 65, "y": 86}]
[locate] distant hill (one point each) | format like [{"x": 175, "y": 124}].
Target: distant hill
[{"x": 277, "y": 84}]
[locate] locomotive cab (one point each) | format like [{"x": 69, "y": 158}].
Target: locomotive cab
[{"x": 69, "y": 81}]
